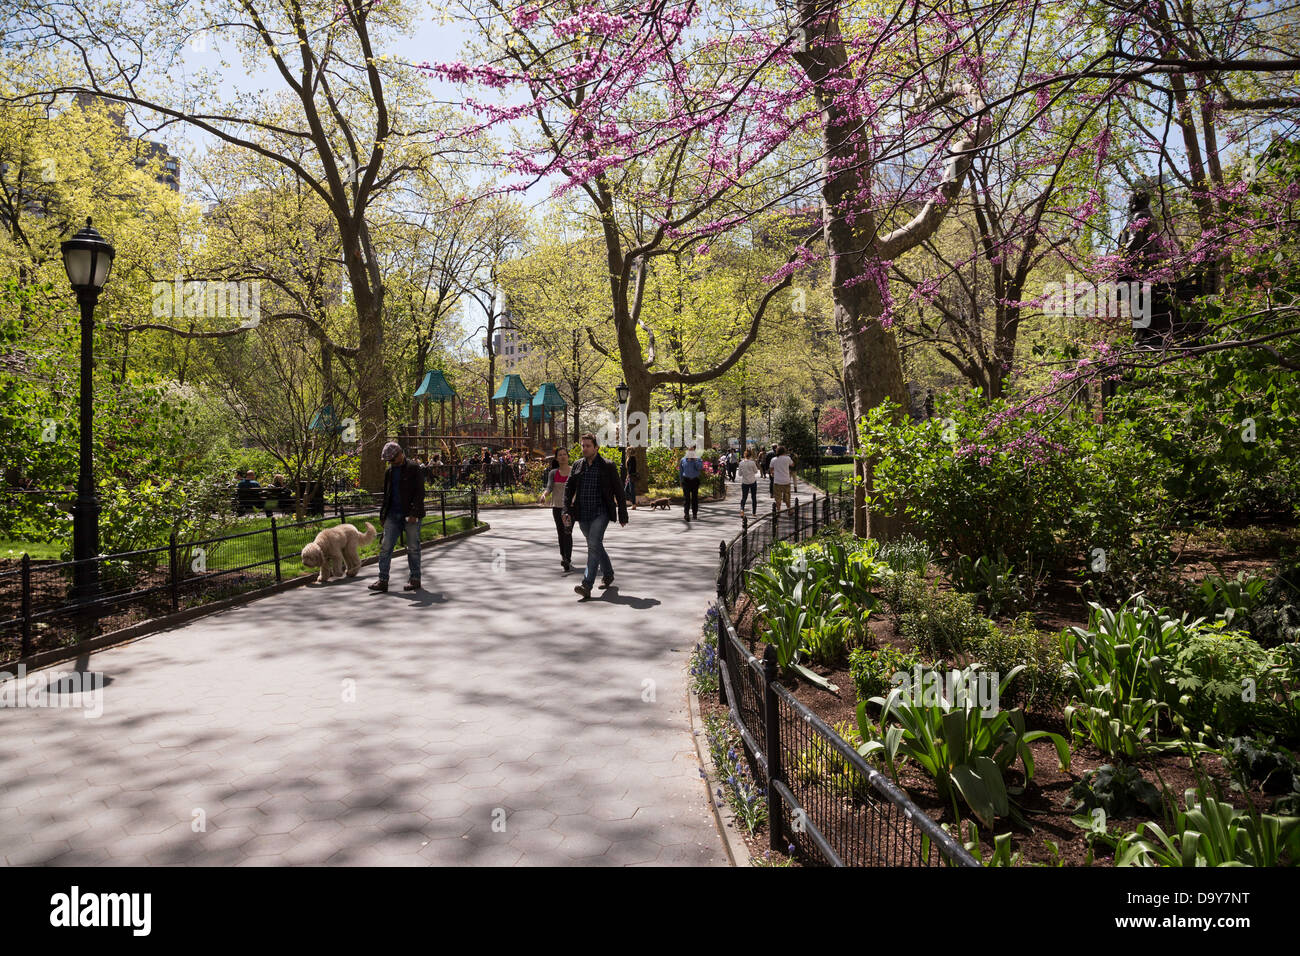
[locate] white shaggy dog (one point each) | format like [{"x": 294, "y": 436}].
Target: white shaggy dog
[{"x": 334, "y": 547}]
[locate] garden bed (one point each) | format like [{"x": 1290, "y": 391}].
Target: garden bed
[{"x": 1046, "y": 833}]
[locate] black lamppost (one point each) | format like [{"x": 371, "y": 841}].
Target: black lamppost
[
  {"x": 87, "y": 259},
  {"x": 817, "y": 441},
  {"x": 622, "y": 391}
]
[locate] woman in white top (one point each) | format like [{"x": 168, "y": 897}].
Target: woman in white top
[
  {"x": 556, "y": 479},
  {"x": 747, "y": 471}
]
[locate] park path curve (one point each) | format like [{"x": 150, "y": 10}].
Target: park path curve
[{"x": 492, "y": 720}]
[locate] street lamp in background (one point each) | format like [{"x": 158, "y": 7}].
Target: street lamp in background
[
  {"x": 817, "y": 441},
  {"x": 87, "y": 259},
  {"x": 623, "y": 392}
]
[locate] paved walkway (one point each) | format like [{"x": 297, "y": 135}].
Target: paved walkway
[{"x": 493, "y": 720}]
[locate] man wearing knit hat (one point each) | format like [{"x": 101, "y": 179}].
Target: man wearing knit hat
[{"x": 400, "y": 513}]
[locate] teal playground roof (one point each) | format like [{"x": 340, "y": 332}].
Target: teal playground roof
[
  {"x": 434, "y": 387},
  {"x": 512, "y": 390},
  {"x": 548, "y": 396}
]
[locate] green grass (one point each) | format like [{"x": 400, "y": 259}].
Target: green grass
[
  {"x": 258, "y": 547},
  {"x": 833, "y": 473},
  {"x": 40, "y": 551}
]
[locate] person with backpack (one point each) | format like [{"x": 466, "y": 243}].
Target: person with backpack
[{"x": 691, "y": 469}]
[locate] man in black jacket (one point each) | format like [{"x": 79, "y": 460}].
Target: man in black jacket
[
  {"x": 400, "y": 513},
  {"x": 593, "y": 496}
]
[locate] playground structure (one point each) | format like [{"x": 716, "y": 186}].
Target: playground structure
[{"x": 525, "y": 422}]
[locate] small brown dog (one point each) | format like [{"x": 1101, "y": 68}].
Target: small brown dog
[{"x": 659, "y": 504}]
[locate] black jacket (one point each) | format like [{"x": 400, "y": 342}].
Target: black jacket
[
  {"x": 611, "y": 489},
  {"x": 412, "y": 490}
]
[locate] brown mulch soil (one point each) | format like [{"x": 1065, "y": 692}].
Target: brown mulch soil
[{"x": 1043, "y": 803}]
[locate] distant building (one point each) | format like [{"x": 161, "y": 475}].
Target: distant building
[
  {"x": 146, "y": 149},
  {"x": 507, "y": 343}
]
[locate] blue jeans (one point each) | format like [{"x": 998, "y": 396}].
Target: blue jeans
[
  {"x": 597, "y": 558},
  {"x": 749, "y": 491},
  {"x": 394, "y": 527}
]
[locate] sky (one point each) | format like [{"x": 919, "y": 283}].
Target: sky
[{"x": 430, "y": 41}]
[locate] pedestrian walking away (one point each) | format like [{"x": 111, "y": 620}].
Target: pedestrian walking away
[
  {"x": 593, "y": 496},
  {"x": 691, "y": 468},
  {"x": 782, "y": 476},
  {"x": 629, "y": 477},
  {"x": 748, "y": 473},
  {"x": 400, "y": 514},
  {"x": 557, "y": 478}
]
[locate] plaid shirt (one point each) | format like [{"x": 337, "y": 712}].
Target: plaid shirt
[{"x": 591, "y": 502}]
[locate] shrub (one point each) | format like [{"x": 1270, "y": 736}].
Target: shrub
[
  {"x": 1021, "y": 645},
  {"x": 827, "y": 641},
  {"x": 1227, "y": 681},
  {"x": 993, "y": 581},
  {"x": 872, "y": 669},
  {"x": 1275, "y": 619},
  {"x": 942, "y": 623}
]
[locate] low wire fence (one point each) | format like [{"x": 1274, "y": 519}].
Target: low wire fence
[
  {"x": 823, "y": 798},
  {"x": 47, "y": 605}
]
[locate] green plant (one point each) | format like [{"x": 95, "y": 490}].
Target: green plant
[
  {"x": 1021, "y": 645},
  {"x": 704, "y": 659},
  {"x": 1211, "y": 833},
  {"x": 1227, "y": 599},
  {"x": 1276, "y": 617},
  {"x": 827, "y": 641},
  {"x": 905, "y": 554},
  {"x": 1228, "y": 682},
  {"x": 942, "y": 623},
  {"x": 1264, "y": 761},
  {"x": 953, "y": 737},
  {"x": 1119, "y": 791},
  {"x": 1001, "y": 855},
  {"x": 746, "y": 798},
  {"x": 872, "y": 669},
  {"x": 792, "y": 602},
  {"x": 1119, "y": 668},
  {"x": 820, "y": 763},
  {"x": 993, "y": 580}
]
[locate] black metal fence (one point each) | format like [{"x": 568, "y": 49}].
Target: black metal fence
[
  {"x": 46, "y": 605},
  {"x": 823, "y": 798}
]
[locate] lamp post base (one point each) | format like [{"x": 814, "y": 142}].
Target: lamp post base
[{"x": 85, "y": 547}]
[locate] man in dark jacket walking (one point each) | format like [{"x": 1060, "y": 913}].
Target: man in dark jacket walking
[
  {"x": 400, "y": 514},
  {"x": 594, "y": 497}
]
